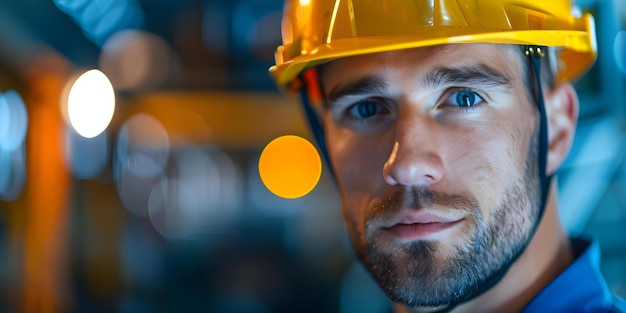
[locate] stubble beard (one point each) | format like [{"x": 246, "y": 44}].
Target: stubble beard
[{"x": 422, "y": 274}]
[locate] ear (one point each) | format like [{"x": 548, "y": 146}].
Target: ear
[{"x": 562, "y": 114}]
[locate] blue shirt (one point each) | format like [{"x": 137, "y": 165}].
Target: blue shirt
[{"x": 580, "y": 288}]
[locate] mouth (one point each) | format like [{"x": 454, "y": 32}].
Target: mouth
[{"x": 422, "y": 226}]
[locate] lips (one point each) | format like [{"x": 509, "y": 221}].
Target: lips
[{"x": 421, "y": 226}]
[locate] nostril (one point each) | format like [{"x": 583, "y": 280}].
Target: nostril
[
  {"x": 389, "y": 179},
  {"x": 388, "y": 167},
  {"x": 412, "y": 167}
]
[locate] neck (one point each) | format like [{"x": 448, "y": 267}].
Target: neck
[{"x": 546, "y": 256}]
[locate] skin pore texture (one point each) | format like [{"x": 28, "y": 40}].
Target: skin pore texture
[{"x": 435, "y": 155}]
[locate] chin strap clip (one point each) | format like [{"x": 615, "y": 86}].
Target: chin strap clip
[{"x": 535, "y": 51}]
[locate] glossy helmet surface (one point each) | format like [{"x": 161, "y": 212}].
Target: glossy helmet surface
[{"x": 318, "y": 31}]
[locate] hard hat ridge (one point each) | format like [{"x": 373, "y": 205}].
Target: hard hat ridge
[{"x": 317, "y": 31}]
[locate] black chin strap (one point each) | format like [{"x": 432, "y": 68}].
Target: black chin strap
[
  {"x": 316, "y": 128},
  {"x": 535, "y": 54}
]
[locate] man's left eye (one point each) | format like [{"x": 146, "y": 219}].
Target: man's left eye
[{"x": 464, "y": 98}]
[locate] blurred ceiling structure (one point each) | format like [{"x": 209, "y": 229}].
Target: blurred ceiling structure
[{"x": 215, "y": 44}]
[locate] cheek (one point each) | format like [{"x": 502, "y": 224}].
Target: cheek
[
  {"x": 357, "y": 161},
  {"x": 358, "y": 165},
  {"x": 485, "y": 164},
  {"x": 357, "y": 169}
]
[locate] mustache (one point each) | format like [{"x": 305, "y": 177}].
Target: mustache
[{"x": 420, "y": 198}]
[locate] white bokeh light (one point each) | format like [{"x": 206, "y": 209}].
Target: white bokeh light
[
  {"x": 13, "y": 121},
  {"x": 91, "y": 103}
]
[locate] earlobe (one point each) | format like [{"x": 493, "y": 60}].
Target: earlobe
[{"x": 562, "y": 113}]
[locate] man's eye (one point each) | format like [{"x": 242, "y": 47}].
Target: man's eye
[
  {"x": 464, "y": 98},
  {"x": 365, "y": 109}
]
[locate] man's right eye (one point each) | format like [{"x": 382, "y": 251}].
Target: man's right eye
[{"x": 365, "y": 109}]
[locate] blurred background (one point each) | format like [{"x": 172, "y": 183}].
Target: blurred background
[{"x": 131, "y": 137}]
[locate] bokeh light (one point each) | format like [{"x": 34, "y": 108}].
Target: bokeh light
[
  {"x": 91, "y": 103},
  {"x": 13, "y": 121},
  {"x": 143, "y": 145},
  {"x": 13, "y": 127},
  {"x": 199, "y": 196},
  {"x": 141, "y": 155},
  {"x": 619, "y": 50},
  {"x": 290, "y": 166},
  {"x": 137, "y": 60}
]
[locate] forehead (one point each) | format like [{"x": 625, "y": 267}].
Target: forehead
[{"x": 501, "y": 58}]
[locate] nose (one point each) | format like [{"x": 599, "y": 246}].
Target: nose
[{"x": 415, "y": 159}]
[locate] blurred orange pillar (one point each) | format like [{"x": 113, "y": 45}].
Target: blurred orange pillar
[{"x": 44, "y": 286}]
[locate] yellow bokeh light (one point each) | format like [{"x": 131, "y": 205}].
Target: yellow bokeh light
[
  {"x": 91, "y": 103},
  {"x": 290, "y": 166}
]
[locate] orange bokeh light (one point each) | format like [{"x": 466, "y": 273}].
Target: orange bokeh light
[{"x": 290, "y": 166}]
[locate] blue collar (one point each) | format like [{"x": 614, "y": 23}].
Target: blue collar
[{"x": 580, "y": 288}]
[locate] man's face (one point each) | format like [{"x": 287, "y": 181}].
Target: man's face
[{"x": 434, "y": 151}]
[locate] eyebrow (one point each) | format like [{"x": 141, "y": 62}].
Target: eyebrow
[
  {"x": 365, "y": 85},
  {"x": 479, "y": 74},
  {"x": 462, "y": 75}
]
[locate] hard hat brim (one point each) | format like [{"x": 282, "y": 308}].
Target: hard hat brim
[{"x": 578, "y": 51}]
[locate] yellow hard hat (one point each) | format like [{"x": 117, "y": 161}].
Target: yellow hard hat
[{"x": 317, "y": 31}]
